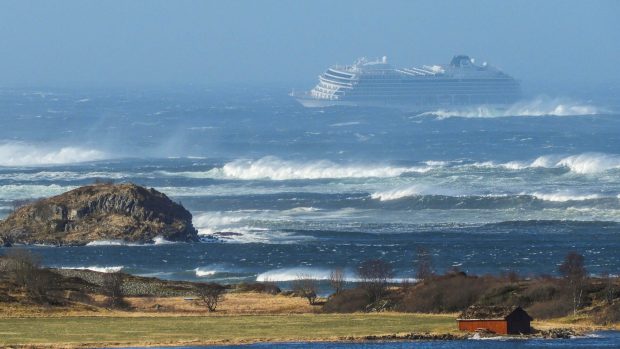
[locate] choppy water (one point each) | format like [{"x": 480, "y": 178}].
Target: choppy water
[
  {"x": 304, "y": 190},
  {"x": 600, "y": 340}
]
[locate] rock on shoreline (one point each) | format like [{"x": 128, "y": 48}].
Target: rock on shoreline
[{"x": 124, "y": 212}]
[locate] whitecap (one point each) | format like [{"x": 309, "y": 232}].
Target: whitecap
[
  {"x": 274, "y": 168},
  {"x": 585, "y": 163},
  {"x": 101, "y": 269},
  {"x": 27, "y": 191},
  {"x": 22, "y": 154},
  {"x": 409, "y": 191},
  {"x": 541, "y": 106},
  {"x": 564, "y": 196}
]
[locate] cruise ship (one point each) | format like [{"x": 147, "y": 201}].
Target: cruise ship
[{"x": 378, "y": 84}]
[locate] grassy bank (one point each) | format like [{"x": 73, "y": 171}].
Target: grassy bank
[{"x": 163, "y": 330}]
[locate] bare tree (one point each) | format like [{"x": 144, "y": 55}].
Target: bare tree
[
  {"x": 210, "y": 294},
  {"x": 306, "y": 286},
  {"x": 574, "y": 272},
  {"x": 374, "y": 275},
  {"x": 21, "y": 263},
  {"x": 25, "y": 269},
  {"x": 113, "y": 288},
  {"x": 423, "y": 264},
  {"x": 337, "y": 280}
]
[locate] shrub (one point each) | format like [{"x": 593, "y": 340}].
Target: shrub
[
  {"x": 337, "y": 280},
  {"x": 261, "y": 287},
  {"x": 374, "y": 275},
  {"x": 347, "y": 301},
  {"x": 609, "y": 315},
  {"x": 113, "y": 288},
  {"x": 305, "y": 286},
  {"x": 210, "y": 294},
  {"x": 556, "y": 307}
]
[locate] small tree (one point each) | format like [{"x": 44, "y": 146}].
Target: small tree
[
  {"x": 26, "y": 271},
  {"x": 574, "y": 273},
  {"x": 305, "y": 286},
  {"x": 210, "y": 294},
  {"x": 424, "y": 264},
  {"x": 374, "y": 275},
  {"x": 113, "y": 288},
  {"x": 337, "y": 280}
]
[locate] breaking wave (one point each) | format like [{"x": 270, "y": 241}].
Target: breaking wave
[
  {"x": 290, "y": 274},
  {"x": 295, "y": 273},
  {"x": 27, "y": 191},
  {"x": 585, "y": 163},
  {"x": 21, "y": 154},
  {"x": 414, "y": 190},
  {"x": 274, "y": 168},
  {"x": 244, "y": 226},
  {"x": 111, "y": 269},
  {"x": 538, "y": 107},
  {"x": 564, "y": 196},
  {"x": 202, "y": 272}
]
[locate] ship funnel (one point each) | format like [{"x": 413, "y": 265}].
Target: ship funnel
[{"x": 384, "y": 59}]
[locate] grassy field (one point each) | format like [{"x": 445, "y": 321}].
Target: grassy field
[{"x": 118, "y": 331}]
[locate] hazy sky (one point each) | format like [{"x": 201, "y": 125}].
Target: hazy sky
[{"x": 284, "y": 42}]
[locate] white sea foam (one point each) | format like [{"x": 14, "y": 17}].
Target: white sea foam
[
  {"x": 109, "y": 269},
  {"x": 585, "y": 163},
  {"x": 158, "y": 240},
  {"x": 341, "y": 124},
  {"x": 246, "y": 226},
  {"x": 564, "y": 196},
  {"x": 290, "y": 274},
  {"x": 27, "y": 191},
  {"x": 22, "y": 154},
  {"x": 295, "y": 273},
  {"x": 541, "y": 106},
  {"x": 63, "y": 175},
  {"x": 202, "y": 272},
  {"x": 273, "y": 168},
  {"x": 408, "y": 191},
  {"x": 108, "y": 243}
]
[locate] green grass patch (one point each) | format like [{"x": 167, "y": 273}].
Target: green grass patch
[{"x": 212, "y": 329}]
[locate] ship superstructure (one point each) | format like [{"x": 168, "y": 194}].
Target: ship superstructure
[{"x": 377, "y": 83}]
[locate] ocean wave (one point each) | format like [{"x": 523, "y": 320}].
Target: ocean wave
[
  {"x": 27, "y": 191},
  {"x": 158, "y": 240},
  {"x": 21, "y": 154},
  {"x": 202, "y": 272},
  {"x": 296, "y": 273},
  {"x": 273, "y": 168},
  {"x": 584, "y": 163},
  {"x": 564, "y": 196},
  {"x": 409, "y": 191},
  {"x": 62, "y": 176},
  {"x": 246, "y": 226},
  {"x": 540, "y": 106},
  {"x": 108, "y": 269}
]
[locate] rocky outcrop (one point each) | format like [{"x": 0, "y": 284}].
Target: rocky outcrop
[{"x": 125, "y": 212}]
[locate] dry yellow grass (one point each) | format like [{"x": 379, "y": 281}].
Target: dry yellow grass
[{"x": 247, "y": 303}]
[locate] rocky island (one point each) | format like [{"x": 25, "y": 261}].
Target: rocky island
[{"x": 124, "y": 212}]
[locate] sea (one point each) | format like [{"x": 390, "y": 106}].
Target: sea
[{"x": 278, "y": 190}]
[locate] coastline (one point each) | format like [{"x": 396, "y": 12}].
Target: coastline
[{"x": 267, "y": 335}]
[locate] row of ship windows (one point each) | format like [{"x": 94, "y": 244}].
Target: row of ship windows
[
  {"x": 409, "y": 80},
  {"x": 447, "y": 100}
]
